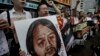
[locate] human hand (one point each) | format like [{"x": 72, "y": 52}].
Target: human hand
[
  {"x": 51, "y": 3},
  {"x": 78, "y": 1},
  {"x": 22, "y": 53},
  {"x": 3, "y": 24},
  {"x": 12, "y": 27}
]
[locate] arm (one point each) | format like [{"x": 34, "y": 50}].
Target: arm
[
  {"x": 51, "y": 3},
  {"x": 77, "y": 3},
  {"x": 75, "y": 9}
]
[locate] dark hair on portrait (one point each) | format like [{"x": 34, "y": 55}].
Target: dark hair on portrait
[{"x": 33, "y": 26}]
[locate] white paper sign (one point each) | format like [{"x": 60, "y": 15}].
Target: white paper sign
[{"x": 40, "y": 36}]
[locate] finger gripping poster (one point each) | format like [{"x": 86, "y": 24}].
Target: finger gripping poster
[{"x": 40, "y": 36}]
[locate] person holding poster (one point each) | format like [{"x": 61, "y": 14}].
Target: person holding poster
[
  {"x": 16, "y": 13},
  {"x": 43, "y": 11}
]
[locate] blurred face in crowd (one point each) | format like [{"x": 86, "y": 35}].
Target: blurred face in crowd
[
  {"x": 74, "y": 12},
  {"x": 66, "y": 11},
  {"x": 77, "y": 13},
  {"x": 89, "y": 14},
  {"x": 19, "y": 3},
  {"x": 81, "y": 13},
  {"x": 44, "y": 41},
  {"x": 84, "y": 15},
  {"x": 43, "y": 10}
]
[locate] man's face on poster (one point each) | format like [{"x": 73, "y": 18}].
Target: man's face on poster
[{"x": 44, "y": 41}]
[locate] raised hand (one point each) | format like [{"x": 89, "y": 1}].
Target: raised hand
[
  {"x": 78, "y": 1},
  {"x": 51, "y": 3}
]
